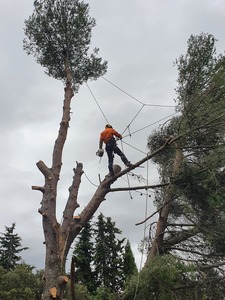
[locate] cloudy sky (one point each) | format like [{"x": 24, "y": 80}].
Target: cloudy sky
[{"x": 140, "y": 39}]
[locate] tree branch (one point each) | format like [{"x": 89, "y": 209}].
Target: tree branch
[
  {"x": 183, "y": 236},
  {"x": 38, "y": 188},
  {"x": 143, "y": 187},
  {"x": 71, "y": 206},
  {"x": 216, "y": 265},
  {"x": 190, "y": 251},
  {"x": 146, "y": 158},
  {"x": 44, "y": 169}
]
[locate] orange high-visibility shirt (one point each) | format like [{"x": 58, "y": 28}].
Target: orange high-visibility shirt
[{"x": 108, "y": 134}]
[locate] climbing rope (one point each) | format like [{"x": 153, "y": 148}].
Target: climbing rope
[{"x": 144, "y": 234}]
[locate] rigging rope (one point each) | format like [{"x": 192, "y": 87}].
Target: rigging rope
[
  {"x": 133, "y": 119},
  {"x": 151, "y": 124},
  {"x": 97, "y": 103},
  {"x": 127, "y": 176},
  {"x": 156, "y": 105}
]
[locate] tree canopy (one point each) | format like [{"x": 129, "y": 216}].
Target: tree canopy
[
  {"x": 58, "y": 34},
  {"x": 191, "y": 200}
]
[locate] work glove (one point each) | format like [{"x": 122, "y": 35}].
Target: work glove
[{"x": 100, "y": 152}]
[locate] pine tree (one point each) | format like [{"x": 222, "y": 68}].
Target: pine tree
[
  {"x": 10, "y": 247},
  {"x": 58, "y": 35},
  {"x": 191, "y": 199},
  {"x": 83, "y": 253}
]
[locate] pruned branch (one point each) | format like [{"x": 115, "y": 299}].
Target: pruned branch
[
  {"x": 38, "y": 188},
  {"x": 44, "y": 170}
]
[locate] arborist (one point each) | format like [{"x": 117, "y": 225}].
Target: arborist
[{"x": 108, "y": 137}]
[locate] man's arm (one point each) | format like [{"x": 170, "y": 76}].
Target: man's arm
[
  {"x": 117, "y": 134},
  {"x": 100, "y": 144}
]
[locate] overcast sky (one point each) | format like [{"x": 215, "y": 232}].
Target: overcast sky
[{"x": 140, "y": 39}]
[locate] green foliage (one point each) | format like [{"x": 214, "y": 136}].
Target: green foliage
[
  {"x": 10, "y": 246},
  {"x": 108, "y": 257},
  {"x": 195, "y": 68},
  {"x": 83, "y": 252},
  {"x": 104, "y": 293},
  {"x": 129, "y": 265},
  {"x": 58, "y": 34},
  {"x": 102, "y": 262},
  {"x": 20, "y": 283},
  {"x": 159, "y": 281}
]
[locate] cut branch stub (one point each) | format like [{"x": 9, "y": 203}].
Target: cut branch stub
[
  {"x": 53, "y": 292},
  {"x": 38, "y": 188},
  {"x": 44, "y": 169}
]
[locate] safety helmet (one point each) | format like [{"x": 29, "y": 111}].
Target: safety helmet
[{"x": 108, "y": 126}]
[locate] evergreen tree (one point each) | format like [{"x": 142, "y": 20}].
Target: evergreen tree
[
  {"x": 129, "y": 265},
  {"x": 108, "y": 259},
  {"x": 83, "y": 252},
  {"x": 10, "y": 247},
  {"x": 115, "y": 258},
  {"x": 101, "y": 252}
]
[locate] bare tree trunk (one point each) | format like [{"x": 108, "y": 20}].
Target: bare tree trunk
[
  {"x": 55, "y": 279},
  {"x": 156, "y": 247}
]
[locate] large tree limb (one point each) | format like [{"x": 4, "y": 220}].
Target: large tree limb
[
  {"x": 181, "y": 237},
  {"x": 70, "y": 207},
  {"x": 143, "y": 187},
  {"x": 143, "y": 160}
]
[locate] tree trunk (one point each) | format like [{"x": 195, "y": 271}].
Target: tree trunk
[
  {"x": 58, "y": 238},
  {"x": 157, "y": 245}
]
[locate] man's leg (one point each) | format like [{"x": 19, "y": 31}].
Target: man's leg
[
  {"x": 122, "y": 156},
  {"x": 110, "y": 161}
]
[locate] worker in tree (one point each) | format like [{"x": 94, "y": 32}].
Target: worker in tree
[{"x": 108, "y": 137}]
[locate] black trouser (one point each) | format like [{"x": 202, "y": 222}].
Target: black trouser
[{"x": 111, "y": 148}]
